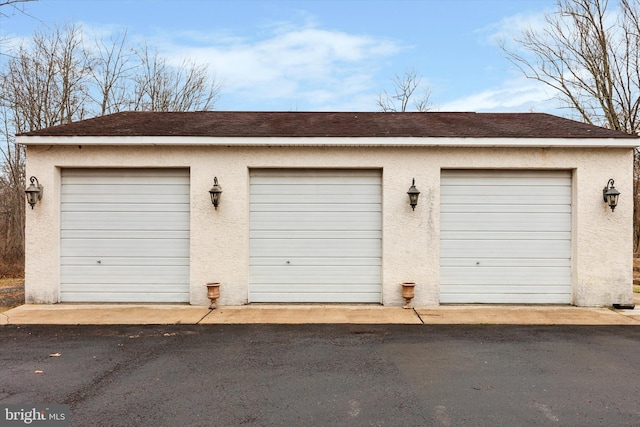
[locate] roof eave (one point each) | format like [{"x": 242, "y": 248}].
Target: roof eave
[{"x": 592, "y": 142}]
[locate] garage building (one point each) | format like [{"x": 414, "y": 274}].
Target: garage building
[{"x": 314, "y": 209}]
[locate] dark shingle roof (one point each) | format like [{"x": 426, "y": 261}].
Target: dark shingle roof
[{"x": 322, "y": 124}]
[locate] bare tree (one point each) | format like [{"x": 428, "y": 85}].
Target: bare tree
[
  {"x": 111, "y": 71},
  {"x": 14, "y": 5},
  {"x": 42, "y": 85},
  {"x": 590, "y": 56},
  {"x": 404, "y": 89},
  {"x": 11, "y": 199},
  {"x": 58, "y": 77},
  {"x": 45, "y": 83},
  {"x": 160, "y": 87},
  {"x": 11, "y": 176},
  {"x": 7, "y": 9}
]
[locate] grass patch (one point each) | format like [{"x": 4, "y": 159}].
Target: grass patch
[
  {"x": 11, "y": 293},
  {"x": 636, "y": 289},
  {"x": 11, "y": 269},
  {"x": 12, "y": 282}
]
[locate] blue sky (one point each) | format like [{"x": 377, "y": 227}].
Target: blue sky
[{"x": 329, "y": 55}]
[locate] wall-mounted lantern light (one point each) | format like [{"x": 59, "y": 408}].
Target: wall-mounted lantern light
[
  {"x": 215, "y": 193},
  {"x": 413, "y": 195},
  {"x": 34, "y": 192},
  {"x": 610, "y": 195}
]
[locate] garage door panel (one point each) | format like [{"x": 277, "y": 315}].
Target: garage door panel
[
  {"x": 103, "y": 254},
  {"x": 478, "y": 249},
  {"x": 517, "y": 251},
  {"x": 144, "y": 208},
  {"x": 317, "y": 207},
  {"x": 315, "y": 236},
  {"x": 315, "y": 248},
  {"x": 141, "y": 245},
  {"x": 327, "y": 192},
  {"x": 164, "y": 178},
  {"x": 348, "y": 283},
  {"x": 317, "y": 297},
  {"x": 131, "y": 198},
  {"x": 325, "y": 262},
  {"x": 125, "y": 235},
  {"x": 124, "y": 261},
  {"x": 115, "y": 276},
  {"x": 523, "y": 199},
  {"x": 305, "y": 177},
  {"x": 509, "y": 298},
  {"x": 126, "y": 247},
  {"x": 316, "y": 222},
  {"x": 140, "y": 296},
  {"x": 124, "y": 220},
  {"x": 506, "y": 288},
  {"x": 170, "y": 235},
  {"x": 505, "y": 276},
  {"x": 258, "y": 175},
  {"x": 504, "y": 235},
  {"x": 133, "y": 226},
  {"x": 506, "y": 221},
  {"x": 501, "y": 208},
  {"x": 298, "y": 199},
  {"x": 290, "y": 273},
  {"x": 265, "y": 219},
  {"x": 506, "y": 262},
  {"x": 119, "y": 173},
  {"x": 106, "y": 189},
  {"x": 124, "y": 288},
  {"x": 318, "y": 287},
  {"x": 473, "y": 175},
  {"x": 498, "y": 191}
]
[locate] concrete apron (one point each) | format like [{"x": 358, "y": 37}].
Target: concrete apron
[{"x": 138, "y": 314}]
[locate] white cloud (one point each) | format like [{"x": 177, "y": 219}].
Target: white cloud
[
  {"x": 511, "y": 27},
  {"x": 282, "y": 67},
  {"x": 314, "y": 66},
  {"x": 515, "y": 94},
  {"x": 519, "y": 94}
]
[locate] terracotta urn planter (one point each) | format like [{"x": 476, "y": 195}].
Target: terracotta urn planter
[
  {"x": 408, "y": 292},
  {"x": 213, "y": 293}
]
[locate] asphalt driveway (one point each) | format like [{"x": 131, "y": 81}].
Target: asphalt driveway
[{"x": 339, "y": 375}]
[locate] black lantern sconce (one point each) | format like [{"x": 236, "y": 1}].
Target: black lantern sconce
[
  {"x": 215, "y": 192},
  {"x": 34, "y": 192},
  {"x": 610, "y": 195},
  {"x": 413, "y": 195}
]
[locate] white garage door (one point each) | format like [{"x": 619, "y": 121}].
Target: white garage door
[
  {"x": 315, "y": 236},
  {"x": 125, "y": 235},
  {"x": 505, "y": 237}
]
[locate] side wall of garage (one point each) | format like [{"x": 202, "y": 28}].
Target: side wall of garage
[{"x": 601, "y": 251}]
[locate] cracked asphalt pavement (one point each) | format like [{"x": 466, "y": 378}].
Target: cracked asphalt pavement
[{"x": 338, "y": 375}]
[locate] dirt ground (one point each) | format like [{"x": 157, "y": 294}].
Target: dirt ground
[{"x": 11, "y": 293}]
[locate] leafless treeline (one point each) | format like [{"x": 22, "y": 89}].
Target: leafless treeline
[
  {"x": 404, "y": 95},
  {"x": 588, "y": 52},
  {"x": 61, "y": 75}
]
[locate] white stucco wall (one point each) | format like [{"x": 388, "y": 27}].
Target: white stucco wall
[{"x": 602, "y": 243}]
